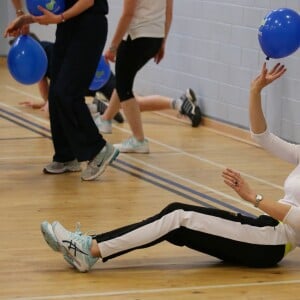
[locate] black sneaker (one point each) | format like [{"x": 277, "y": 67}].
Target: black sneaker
[
  {"x": 101, "y": 107},
  {"x": 190, "y": 108}
]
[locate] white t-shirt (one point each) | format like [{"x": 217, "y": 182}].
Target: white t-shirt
[{"x": 148, "y": 20}]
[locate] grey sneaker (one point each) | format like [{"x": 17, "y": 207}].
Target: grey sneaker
[
  {"x": 98, "y": 165},
  {"x": 62, "y": 167},
  {"x": 51, "y": 240},
  {"x": 76, "y": 247},
  {"x": 102, "y": 106},
  {"x": 190, "y": 108},
  {"x": 132, "y": 145},
  {"x": 104, "y": 126}
]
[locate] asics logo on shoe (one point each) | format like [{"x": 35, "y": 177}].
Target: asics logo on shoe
[{"x": 72, "y": 246}]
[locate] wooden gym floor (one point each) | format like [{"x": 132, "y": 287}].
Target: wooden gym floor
[{"x": 185, "y": 164}]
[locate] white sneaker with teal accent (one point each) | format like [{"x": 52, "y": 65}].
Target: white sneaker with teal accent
[
  {"x": 75, "y": 246},
  {"x": 50, "y": 238},
  {"x": 132, "y": 145},
  {"x": 104, "y": 126},
  {"x": 98, "y": 165}
]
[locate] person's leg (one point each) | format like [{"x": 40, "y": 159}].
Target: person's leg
[
  {"x": 77, "y": 69},
  {"x": 113, "y": 107},
  {"x": 101, "y": 100},
  {"x": 186, "y": 104},
  {"x": 154, "y": 102},
  {"x": 234, "y": 238},
  {"x": 132, "y": 55},
  {"x": 74, "y": 132}
]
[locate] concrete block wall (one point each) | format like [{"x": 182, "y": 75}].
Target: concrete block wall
[{"x": 213, "y": 48}]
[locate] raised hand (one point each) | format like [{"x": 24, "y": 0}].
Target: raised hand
[{"x": 266, "y": 77}]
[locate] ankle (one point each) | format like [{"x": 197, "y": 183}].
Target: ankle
[{"x": 95, "y": 251}]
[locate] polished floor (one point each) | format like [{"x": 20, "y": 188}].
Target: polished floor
[{"x": 185, "y": 164}]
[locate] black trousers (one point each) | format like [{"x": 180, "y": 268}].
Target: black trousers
[
  {"x": 235, "y": 238},
  {"x": 78, "y": 47}
]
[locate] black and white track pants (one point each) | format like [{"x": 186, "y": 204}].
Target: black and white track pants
[{"x": 235, "y": 238}]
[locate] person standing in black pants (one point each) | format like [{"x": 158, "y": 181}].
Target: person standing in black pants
[{"x": 80, "y": 38}]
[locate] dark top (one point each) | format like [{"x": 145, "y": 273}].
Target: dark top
[{"x": 100, "y": 6}]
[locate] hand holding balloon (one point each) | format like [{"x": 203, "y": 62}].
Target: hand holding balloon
[
  {"x": 27, "y": 60},
  {"x": 54, "y": 6},
  {"x": 16, "y": 26}
]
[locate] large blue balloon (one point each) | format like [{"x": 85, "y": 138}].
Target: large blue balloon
[
  {"x": 55, "y": 6},
  {"x": 101, "y": 76},
  {"x": 279, "y": 33},
  {"x": 27, "y": 60}
]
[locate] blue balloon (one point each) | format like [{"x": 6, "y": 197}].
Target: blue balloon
[
  {"x": 55, "y": 6},
  {"x": 27, "y": 60},
  {"x": 101, "y": 76},
  {"x": 279, "y": 33}
]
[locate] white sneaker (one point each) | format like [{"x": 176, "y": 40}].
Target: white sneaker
[
  {"x": 75, "y": 246},
  {"x": 132, "y": 145},
  {"x": 104, "y": 126},
  {"x": 99, "y": 163},
  {"x": 92, "y": 107}
]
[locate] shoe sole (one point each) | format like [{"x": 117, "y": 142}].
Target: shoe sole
[
  {"x": 110, "y": 160},
  {"x": 134, "y": 151},
  {"x": 49, "y": 235},
  {"x": 62, "y": 171},
  {"x": 192, "y": 95},
  {"x": 197, "y": 117},
  {"x": 104, "y": 132}
]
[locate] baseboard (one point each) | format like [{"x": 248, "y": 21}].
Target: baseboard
[
  {"x": 3, "y": 60},
  {"x": 222, "y": 128}
]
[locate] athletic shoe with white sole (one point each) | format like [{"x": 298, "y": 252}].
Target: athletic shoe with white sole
[
  {"x": 104, "y": 126},
  {"x": 75, "y": 246},
  {"x": 98, "y": 165},
  {"x": 190, "y": 108},
  {"x": 132, "y": 145},
  {"x": 102, "y": 106},
  {"x": 62, "y": 167},
  {"x": 51, "y": 240}
]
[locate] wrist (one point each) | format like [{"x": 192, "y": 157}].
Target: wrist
[
  {"x": 112, "y": 49},
  {"x": 19, "y": 12},
  {"x": 62, "y": 18},
  {"x": 258, "y": 199}
]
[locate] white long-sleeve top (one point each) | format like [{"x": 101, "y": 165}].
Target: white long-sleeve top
[{"x": 291, "y": 153}]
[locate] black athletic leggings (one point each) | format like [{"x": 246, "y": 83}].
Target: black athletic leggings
[{"x": 132, "y": 55}]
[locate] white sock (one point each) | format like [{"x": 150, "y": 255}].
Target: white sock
[{"x": 176, "y": 104}]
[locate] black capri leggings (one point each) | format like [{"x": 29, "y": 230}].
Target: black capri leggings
[{"x": 132, "y": 55}]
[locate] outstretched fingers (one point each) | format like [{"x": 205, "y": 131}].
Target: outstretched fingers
[{"x": 231, "y": 177}]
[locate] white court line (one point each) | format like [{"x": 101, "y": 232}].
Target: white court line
[
  {"x": 158, "y": 291},
  {"x": 178, "y": 150},
  {"x": 195, "y": 183},
  {"x": 22, "y": 92}
]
